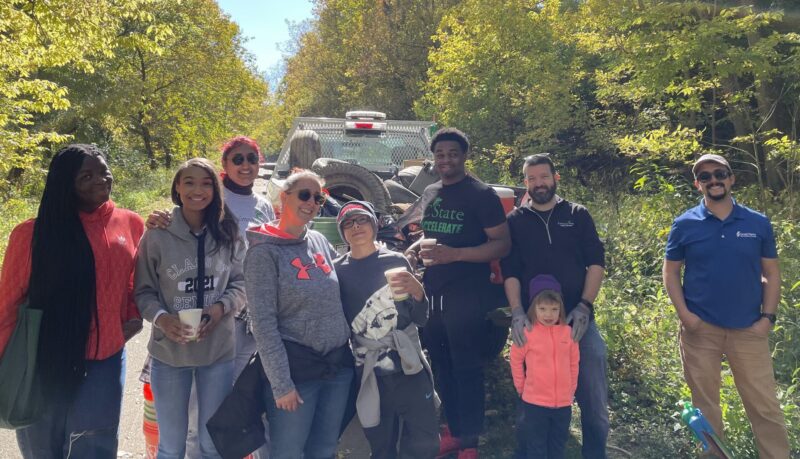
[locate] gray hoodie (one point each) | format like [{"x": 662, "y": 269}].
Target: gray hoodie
[
  {"x": 292, "y": 294},
  {"x": 165, "y": 279}
]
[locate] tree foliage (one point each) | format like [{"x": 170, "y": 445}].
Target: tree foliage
[
  {"x": 168, "y": 79},
  {"x": 38, "y": 36}
]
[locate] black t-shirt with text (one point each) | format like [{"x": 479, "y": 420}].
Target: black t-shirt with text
[{"x": 457, "y": 216}]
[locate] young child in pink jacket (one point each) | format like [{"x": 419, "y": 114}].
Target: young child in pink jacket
[{"x": 545, "y": 372}]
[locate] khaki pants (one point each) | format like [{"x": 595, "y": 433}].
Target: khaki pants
[{"x": 751, "y": 363}]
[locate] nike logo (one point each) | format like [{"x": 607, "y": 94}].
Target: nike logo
[{"x": 428, "y": 395}]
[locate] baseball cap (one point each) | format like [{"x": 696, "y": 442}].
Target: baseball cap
[{"x": 710, "y": 158}]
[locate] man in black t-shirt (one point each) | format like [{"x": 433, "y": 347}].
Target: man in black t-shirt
[
  {"x": 467, "y": 220},
  {"x": 553, "y": 236}
]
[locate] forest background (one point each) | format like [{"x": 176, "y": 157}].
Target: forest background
[{"x": 623, "y": 94}]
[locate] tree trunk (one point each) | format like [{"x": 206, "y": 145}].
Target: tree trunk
[{"x": 147, "y": 140}]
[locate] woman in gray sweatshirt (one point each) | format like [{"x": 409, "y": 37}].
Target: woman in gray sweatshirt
[
  {"x": 299, "y": 325},
  {"x": 193, "y": 264}
]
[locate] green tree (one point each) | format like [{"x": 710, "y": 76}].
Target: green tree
[{"x": 36, "y": 36}]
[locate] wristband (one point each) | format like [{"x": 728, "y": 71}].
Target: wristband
[{"x": 589, "y": 305}]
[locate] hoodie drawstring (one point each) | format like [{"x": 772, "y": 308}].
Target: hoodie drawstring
[
  {"x": 201, "y": 269},
  {"x": 432, "y": 303}
]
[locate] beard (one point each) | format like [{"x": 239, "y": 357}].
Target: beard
[
  {"x": 717, "y": 197},
  {"x": 542, "y": 195}
]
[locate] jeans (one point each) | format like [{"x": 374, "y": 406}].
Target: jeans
[
  {"x": 312, "y": 431},
  {"x": 545, "y": 431},
  {"x": 85, "y": 426},
  {"x": 592, "y": 393},
  {"x": 751, "y": 364},
  {"x": 171, "y": 388}
]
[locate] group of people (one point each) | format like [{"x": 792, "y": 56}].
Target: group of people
[{"x": 340, "y": 335}]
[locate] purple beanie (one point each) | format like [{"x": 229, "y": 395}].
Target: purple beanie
[{"x": 541, "y": 283}]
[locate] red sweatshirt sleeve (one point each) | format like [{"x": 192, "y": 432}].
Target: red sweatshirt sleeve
[
  {"x": 517, "y": 361},
  {"x": 14, "y": 278}
]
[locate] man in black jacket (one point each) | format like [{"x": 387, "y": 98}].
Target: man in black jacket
[{"x": 553, "y": 236}]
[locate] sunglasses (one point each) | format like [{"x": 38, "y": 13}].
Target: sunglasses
[
  {"x": 360, "y": 219},
  {"x": 719, "y": 174},
  {"x": 305, "y": 194},
  {"x": 238, "y": 159}
]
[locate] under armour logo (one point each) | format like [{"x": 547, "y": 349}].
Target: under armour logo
[
  {"x": 121, "y": 240},
  {"x": 302, "y": 269}
]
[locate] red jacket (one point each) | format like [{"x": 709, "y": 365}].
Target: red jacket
[
  {"x": 113, "y": 234},
  {"x": 545, "y": 369}
]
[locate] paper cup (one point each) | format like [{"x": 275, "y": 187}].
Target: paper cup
[
  {"x": 390, "y": 274},
  {"x": 191, "y": 317},
  {"x": 427, "y": 243}
]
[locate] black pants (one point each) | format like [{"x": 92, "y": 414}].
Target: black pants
[
  {"x": 544, "y": 430},
  {"x": 406, "y": 398},
  {"x": 455, "y": 338},
  {"x": 461, "y": 390}
]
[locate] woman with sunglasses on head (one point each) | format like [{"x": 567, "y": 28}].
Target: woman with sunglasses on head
[
  {"x": 192, "y": 268},
  {"x": 75, "y": 262},
  {"x": 299, "y": 325}
]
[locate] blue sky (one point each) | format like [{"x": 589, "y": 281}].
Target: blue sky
[{"x": 264, "y": 23}]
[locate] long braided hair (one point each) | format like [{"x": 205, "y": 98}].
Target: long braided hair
[{"x": 62, "y": 282}]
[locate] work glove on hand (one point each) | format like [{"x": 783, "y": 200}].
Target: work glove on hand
[
  {"x": 519, "y": 324},
  {"x": 579, "y": 317}
]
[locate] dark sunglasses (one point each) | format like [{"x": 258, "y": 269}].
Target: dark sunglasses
[
  {"x": 719, "y": 174},
  {"x": 360, "y": 219},
  {"x": 305, "y": 194},
  {"x": 238, "y": 159}
]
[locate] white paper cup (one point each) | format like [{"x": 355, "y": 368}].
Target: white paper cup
[
  {"x": 191, "y": 317},
  {"x": 427, "y": 243},
  {"x": 390, "y": 274}
]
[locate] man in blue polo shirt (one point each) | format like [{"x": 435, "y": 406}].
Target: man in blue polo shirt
[{"x": 727, "y": 302}]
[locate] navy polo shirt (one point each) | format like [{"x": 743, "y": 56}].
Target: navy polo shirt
[{"x": 722, "y": 263}]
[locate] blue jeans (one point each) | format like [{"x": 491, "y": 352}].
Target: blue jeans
[
  {"x": 592, "y": 393},
  {"x": 84, "y": 426},
  {"x": 171, "y": 387},
  {"x": 312, "y": 431}
]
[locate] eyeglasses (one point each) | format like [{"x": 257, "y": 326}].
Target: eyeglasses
[
  {"x": 360, "y": 219},
  {"x": 238, "y": 159},
  {"x": 719, "y": 174},
  {"x": 305, "y": 194}
]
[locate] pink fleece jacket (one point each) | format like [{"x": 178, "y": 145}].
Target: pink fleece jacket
[{"x": 545, "y": 369}]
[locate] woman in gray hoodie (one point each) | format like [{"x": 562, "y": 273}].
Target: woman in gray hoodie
[
  {"x": 193, "y": 264},
  {"x": 300, "y": 329}
]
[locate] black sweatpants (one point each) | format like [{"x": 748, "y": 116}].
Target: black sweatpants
[
  {"x": 544, "y": 430},
  {"x": 408, "y": 398},
  {"x": 455, "y": 338}
]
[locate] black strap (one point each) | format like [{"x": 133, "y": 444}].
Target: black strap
[{"x": 200, "y": 288}]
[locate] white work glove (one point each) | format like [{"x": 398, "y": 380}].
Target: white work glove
[
  {"x": 579, "y": 318},
  {"x": 519, "y": 324}
]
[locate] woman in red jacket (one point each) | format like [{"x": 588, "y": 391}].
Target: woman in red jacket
[
  {"x": 545, "y": 372},
  {"x": 75, "y": 263}
]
